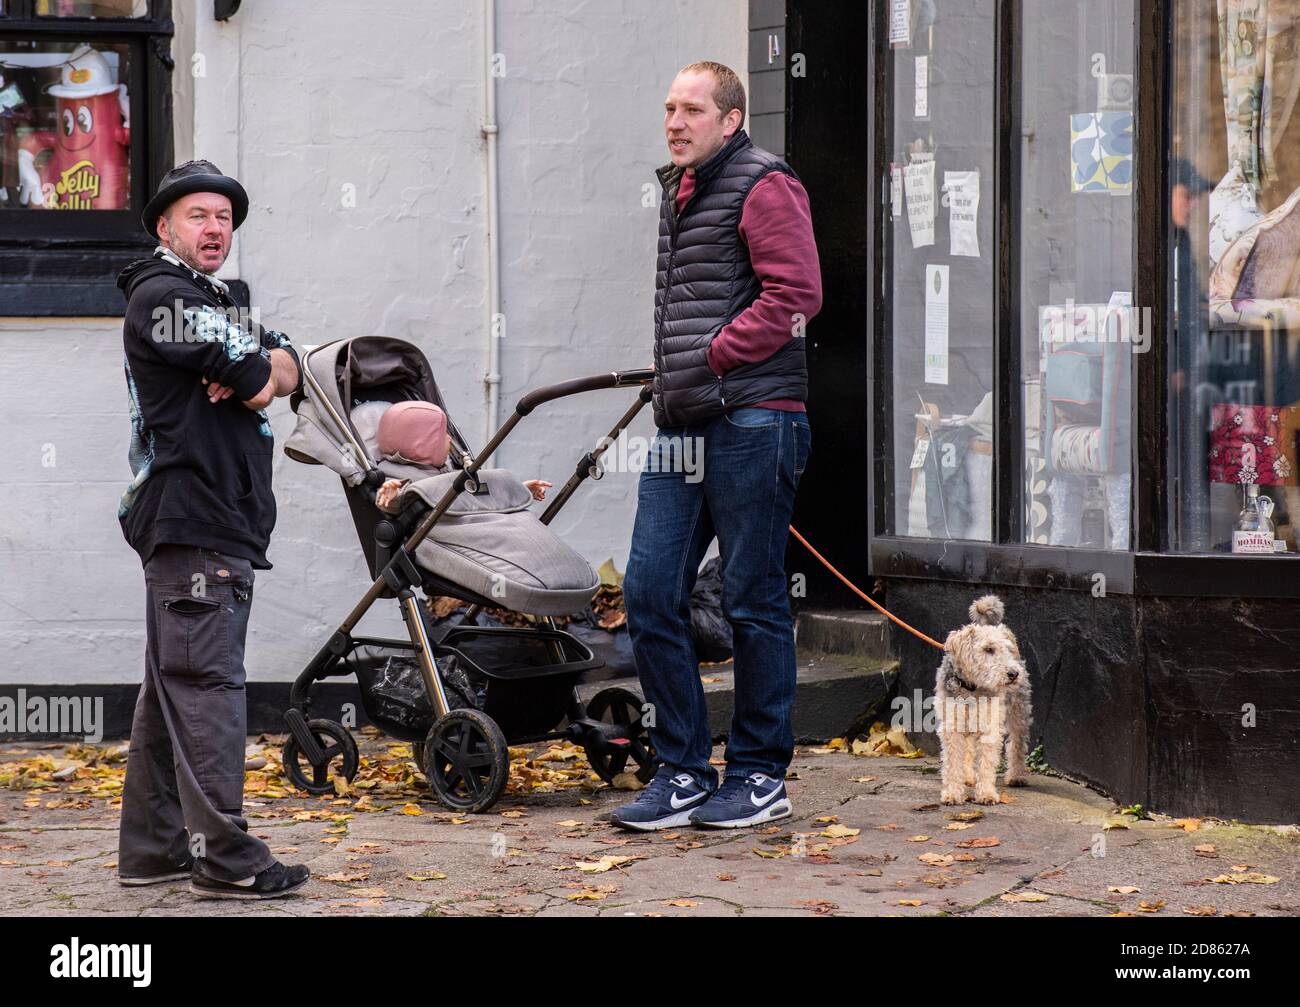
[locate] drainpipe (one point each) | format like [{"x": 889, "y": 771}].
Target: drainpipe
[{"x": 492, "y": 379}]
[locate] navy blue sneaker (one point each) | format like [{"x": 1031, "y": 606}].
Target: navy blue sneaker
[
  {"x": 744, "y": 800},
  {"x": 666, "y": 802}
]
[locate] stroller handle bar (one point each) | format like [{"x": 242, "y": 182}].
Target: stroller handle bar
[
  {"x": 575, "y": 386},
  {"x": 399, "y": 570}
]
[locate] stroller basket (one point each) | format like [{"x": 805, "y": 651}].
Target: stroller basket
[
  {"x": 529, "y": 674},
  {"x": 519, "y": 676}
]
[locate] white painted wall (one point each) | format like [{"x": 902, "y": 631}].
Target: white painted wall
[{"x": 299, "y": 99}]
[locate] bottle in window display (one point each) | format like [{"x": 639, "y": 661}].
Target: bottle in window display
[
  {"x": 88, "y": 164},
  {"x": 1253, "y": 532}
]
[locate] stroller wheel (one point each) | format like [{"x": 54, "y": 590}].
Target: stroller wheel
[
  {"x": 459, "y": 693},
  {"x": 466, "y": 760},
  {"x": 622, "y": 707},
  {"x": 340, "y": 758}
]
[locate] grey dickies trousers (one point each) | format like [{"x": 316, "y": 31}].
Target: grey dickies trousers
[{"x": 184, "y": 790}]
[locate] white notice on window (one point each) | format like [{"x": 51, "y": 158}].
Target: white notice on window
[
  {"x": 963, "y": 189},
  {"x": 921, "y": 104},
  {"x": 936, "y": 325},
  {"x": 919, "y": 179},
  {"x": 896, "y": 190},
  {"x": 900, "y": 22}
]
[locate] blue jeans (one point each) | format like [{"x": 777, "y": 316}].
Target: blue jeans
[{"x": 747, "y": 466}]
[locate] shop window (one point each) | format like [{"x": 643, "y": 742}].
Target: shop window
[
  {"x": 1079, "y": 325},
  {"x": 68, "y": 135},
  {"x": 939, "y": 276},
  {"x": 84, "y": 132},
  {"x": 1234, "y": 191},
  {"x": 92, "y": 8}
]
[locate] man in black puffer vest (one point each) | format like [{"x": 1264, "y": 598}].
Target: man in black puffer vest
[{"x": 737, "y": 282}]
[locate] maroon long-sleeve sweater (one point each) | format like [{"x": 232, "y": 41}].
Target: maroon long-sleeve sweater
[{"x": 776, "y": 226}]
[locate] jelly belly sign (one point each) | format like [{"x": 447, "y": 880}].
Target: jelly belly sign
[
  {"x": 76, "y": 189},
  {"x": 83, "y": 163}
]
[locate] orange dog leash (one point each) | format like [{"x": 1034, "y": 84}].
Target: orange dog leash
[{"x": 861, "y": 594}]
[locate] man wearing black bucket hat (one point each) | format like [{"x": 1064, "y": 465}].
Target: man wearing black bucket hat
[{"x": 199, "y": 512}]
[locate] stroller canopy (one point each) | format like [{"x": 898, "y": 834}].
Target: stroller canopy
[
  {"x": 489, "y": 543},
  {"x": 339, "y": 375}
]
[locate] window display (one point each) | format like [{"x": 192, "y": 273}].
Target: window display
[
  {"x": 92, "y": 8},
  {"x": 941, "y": 270},
  {"x": 1079, "y": 327},
  {"x": 1235, "y": 251},
  {"x": 65, "y": 127}
]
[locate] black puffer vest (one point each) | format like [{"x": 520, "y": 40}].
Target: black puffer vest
[{"x": 703, "y": 280}]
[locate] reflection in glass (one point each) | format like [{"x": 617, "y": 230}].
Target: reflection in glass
[
  {"x": 1235, "y": 249},
  {"x": 941, "y": 276},
  {"x": 1078, "y": 323}
]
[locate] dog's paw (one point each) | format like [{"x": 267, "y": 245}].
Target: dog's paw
[
  {"x": 1017, "y": 780},
  {"x": 952, "y": 797},
  {"x": 986, "y": 797}
]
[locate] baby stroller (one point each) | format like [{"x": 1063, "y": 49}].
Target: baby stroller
[{"x": 461, "y": 692}]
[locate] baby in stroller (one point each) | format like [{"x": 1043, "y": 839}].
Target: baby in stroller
[{"x": 414, "y": 433}]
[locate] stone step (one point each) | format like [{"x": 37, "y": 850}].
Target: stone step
[{"x": 843, "y": 631}]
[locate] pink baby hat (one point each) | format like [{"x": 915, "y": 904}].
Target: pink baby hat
[{"x": 415, "y": 433}]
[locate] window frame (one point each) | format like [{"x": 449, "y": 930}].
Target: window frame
[
  {"x": 1146, "y": 568},
  {"x": 64, "y": 263}
]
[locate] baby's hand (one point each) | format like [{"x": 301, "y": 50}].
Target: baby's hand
[
  {"x": 386, "y": 498},
  {"x": 537, "y": 487}
]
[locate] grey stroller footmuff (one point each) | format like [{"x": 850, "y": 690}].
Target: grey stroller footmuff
[{"x": 491, "y": 543}]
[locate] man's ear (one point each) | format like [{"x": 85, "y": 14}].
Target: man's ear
[
  {"x": 164, "y": 237},
  {"x": 732, "y": 121}
]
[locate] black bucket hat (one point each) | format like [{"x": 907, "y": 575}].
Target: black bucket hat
[{"x": 188, "y": 178}]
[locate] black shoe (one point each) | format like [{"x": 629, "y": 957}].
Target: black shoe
[
  {"x": 181, "y": 873},
  {"x": 277, "y": 880}
]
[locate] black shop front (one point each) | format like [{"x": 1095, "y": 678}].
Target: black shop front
[{"x": 1060, "y": 360}]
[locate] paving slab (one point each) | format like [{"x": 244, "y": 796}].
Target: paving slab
[{"x": 868, "y": 839}]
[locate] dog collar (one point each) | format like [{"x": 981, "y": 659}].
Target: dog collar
[{"x": 954, "y": 677}]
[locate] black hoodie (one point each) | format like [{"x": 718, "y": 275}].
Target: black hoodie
[{"x": 202, "y": 470}]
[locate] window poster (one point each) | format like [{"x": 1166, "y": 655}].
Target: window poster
[
  {"x": 900, "y": 23},
  {"x": 936, "y": 325},
  {"x": 921, "y": 94},
  {"x": 919, "y": 181},
  {"x": 963, "y": 191}
]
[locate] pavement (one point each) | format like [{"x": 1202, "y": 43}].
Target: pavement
[{"x": 868, "y": 839}]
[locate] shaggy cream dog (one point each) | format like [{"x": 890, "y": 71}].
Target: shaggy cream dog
[{"x": 981, "y": 699}]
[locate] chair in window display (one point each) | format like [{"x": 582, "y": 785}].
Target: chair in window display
[
  {"x": 1085, "y": 422},
  {"x": 1254, "y": 446}
]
